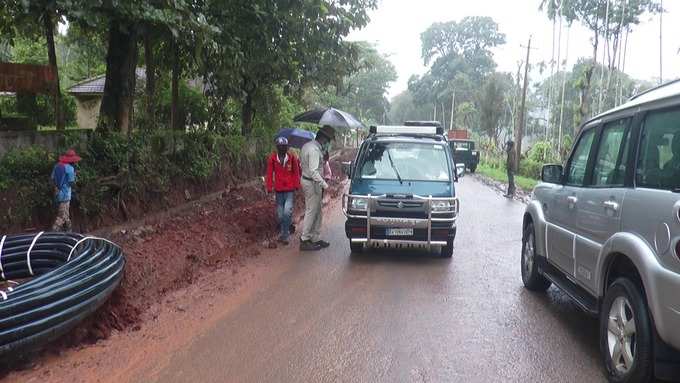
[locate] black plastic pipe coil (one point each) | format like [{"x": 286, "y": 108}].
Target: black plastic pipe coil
[{"x": 71, "y": 276}]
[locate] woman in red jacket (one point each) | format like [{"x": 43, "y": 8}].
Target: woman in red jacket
[{"x": 283, "y": 177}]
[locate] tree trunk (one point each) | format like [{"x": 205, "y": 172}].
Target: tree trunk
[
  {"x": 174, "y": 113},
  {"x": 150, "y": 80},
  {"x": 247, "y": 113},
  {"x": 584, "y": 107},
  {"x": 121, "y": 59},
  {"x": 51, "y": 53},
  {"x": 519, "y": 133}
]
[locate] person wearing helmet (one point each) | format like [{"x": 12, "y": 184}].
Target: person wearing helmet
[
  {"x": 63, "y": 177},
  {"x": 283, "y": 177}
]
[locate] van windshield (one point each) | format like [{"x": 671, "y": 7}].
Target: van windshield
[{"x": 410, "y": 161}]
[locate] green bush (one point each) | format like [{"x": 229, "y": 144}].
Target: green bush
[
  {"x": 119, "y": 167},
  {"x": 24, "y": 179},
  {"x": 530, "y": 168}
]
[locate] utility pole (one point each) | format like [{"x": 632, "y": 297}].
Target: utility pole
[
  {"x": 661, "y": 44},
  {"x": 453, "y": 107},
  {"x": 519, "y": 132}
]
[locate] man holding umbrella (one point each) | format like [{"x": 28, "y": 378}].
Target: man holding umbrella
[
  {"x": 313, "y": 185},
  {"x": 283, "y": 177}
]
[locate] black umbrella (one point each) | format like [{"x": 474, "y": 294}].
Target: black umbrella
[{"x": 330, "y": 116}]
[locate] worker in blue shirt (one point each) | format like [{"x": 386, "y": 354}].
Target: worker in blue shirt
[{"x": 63, "y": 178}]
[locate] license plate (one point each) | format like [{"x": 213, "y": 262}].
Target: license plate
[{"x": 399, "y": 232}]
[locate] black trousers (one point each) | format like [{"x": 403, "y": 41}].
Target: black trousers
[{"x": 511, "y": 182}]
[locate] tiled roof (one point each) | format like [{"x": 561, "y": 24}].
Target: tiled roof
[{"x": 95, "y": 85}]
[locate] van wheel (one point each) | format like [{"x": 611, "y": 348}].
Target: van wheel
[
  {"x": 473, "y": 168},
  {"x": 447, "y": 251},
  {"x": 356, "y": 248},
  {"x": 626, "y": 334},
  {"x": 532, "y": 279}
]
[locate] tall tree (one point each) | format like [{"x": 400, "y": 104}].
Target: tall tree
[
  {"x": 363, "y": 92},
  {"x": 459, "y": 55},
  {"x": 492, "y": 104},
  {"x": 23, "y": 16},
  {"x": 123, "y": 22},
  {"x": 605, "y": 20},
  {"x": 293, "y": 42}
]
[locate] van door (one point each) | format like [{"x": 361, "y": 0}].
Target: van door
[
  {"x": 566, "y": 202},
  {"x": 599, "y": 214}
]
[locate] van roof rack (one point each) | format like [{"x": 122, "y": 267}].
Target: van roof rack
[{"x": 420, "y": 129}]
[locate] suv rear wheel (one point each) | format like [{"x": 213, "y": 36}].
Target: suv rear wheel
[
  {"x": 626, "y": 334},
  {"x": 532, "y": 279}
]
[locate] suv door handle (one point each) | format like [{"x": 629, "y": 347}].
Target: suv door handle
[{"x": 611, "y": 205}]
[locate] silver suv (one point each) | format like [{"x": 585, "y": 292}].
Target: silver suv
[{"x": 605, "y": 228}]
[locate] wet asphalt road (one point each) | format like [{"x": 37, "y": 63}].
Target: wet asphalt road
[{"x": 397, "y": 317}]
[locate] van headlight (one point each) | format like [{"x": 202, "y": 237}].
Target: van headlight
[
  {"x": 360, "y": 204},
  {"x": 439, "y": 206}
]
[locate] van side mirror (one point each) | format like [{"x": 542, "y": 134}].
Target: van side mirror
[
  {"x": 460, "y": 171},
  {"x": 552, "y": 174},
  {"x": 347, "y": 168}
]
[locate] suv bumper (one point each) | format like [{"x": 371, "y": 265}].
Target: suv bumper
[
  {"x": 434, "y": 231},
  {"x": 667, "y": 318}
]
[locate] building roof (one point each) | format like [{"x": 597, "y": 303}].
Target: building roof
[{"x": 95, "y": 85}]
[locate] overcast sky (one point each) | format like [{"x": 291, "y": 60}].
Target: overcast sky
[{"x": 396, "y": 25}]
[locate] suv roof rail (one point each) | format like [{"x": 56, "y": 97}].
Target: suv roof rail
[{"x": 652, "y": 89}]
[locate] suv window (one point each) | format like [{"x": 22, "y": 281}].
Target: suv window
[
  {"x": 610, "y": 163},
  {"x": 579, "y": 160},
  {"x": 658, "y": 165}
]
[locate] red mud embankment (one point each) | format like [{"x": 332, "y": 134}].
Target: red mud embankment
[{"x": 170, "y": 251}]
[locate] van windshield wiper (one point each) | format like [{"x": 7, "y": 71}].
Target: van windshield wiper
[{"x": 389, "y": 156}]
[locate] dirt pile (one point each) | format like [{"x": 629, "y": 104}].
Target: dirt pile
[{"x": 171, "y": 254}]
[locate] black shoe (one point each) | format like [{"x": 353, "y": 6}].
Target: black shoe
[
  {"x": 322, "y": 244},
  {"x": 309, "y": 246},
  {"x": 283, "y": 241}
]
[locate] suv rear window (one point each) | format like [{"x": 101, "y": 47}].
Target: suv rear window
[
  {"x": 412, "y": 161},
  {"x": 461, "y": 145},
  {"x": 658, "y": 164}
]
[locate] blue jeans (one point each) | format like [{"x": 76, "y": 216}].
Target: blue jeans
[{"x": 284, "y": 212}]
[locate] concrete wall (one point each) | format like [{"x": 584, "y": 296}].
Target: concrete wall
[
  {"x": 21, "y": 139},
  {"x": 87, "y": 111}
]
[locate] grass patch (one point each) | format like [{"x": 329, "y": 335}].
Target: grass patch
[{"x": 497, "y": 174}]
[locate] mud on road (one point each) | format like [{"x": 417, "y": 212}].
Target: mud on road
[{"x": 168, "y": 253}]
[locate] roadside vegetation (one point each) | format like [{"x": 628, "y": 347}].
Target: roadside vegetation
[
  {"x": 197, "y": 89},
  {"x": 463, "y": 89},
  {"x": 193, "y": 93}
]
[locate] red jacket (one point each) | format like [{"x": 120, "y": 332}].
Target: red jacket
[{"x": 283, "y": 177}]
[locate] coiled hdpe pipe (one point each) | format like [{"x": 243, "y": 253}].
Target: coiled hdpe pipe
[{"x": 70, "y": 277}]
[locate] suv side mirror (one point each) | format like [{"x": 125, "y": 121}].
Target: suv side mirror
[
  {"x": 347, "y": 168},
  {"x": 552, "y": 174}
]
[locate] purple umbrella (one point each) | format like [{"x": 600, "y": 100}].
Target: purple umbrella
[{"x": 296, "y": 137}]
